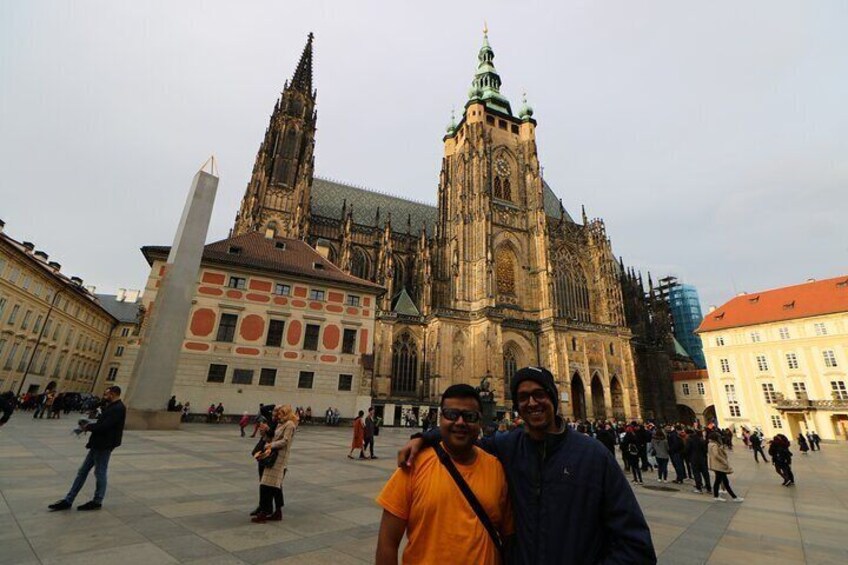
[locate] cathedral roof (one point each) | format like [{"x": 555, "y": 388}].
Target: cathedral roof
[
  {"x": 328, "y": 197},
  {"x": 274, "y": 255}
]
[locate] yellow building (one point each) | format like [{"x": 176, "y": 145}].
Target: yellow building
[
  {"x": 52, "y": 329},
  {"x": 272, "y": 322},
  {"x": 777, "y": 359}
]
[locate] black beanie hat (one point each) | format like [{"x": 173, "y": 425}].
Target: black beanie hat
[{"x": 538, "y": 375}]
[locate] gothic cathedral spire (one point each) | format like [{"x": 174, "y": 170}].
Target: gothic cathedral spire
[{"x": 277, "y": 198}]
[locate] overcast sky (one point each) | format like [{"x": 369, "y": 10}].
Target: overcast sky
[{"x": 712, "y": 137}]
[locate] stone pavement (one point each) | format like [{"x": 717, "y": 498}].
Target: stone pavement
[{"x": 184, "y": 497}]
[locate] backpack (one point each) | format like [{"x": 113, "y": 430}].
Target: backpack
[{"x": 632, "y": 449}]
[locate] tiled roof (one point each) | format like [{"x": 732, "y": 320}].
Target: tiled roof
[
  {"x": 788, "y": 303},
  {"x": 255, "y": 251},
  {"x": 696, "y": 375},
  {"x": 124, "y": 312},
  {"x": 329, "y": 196}
]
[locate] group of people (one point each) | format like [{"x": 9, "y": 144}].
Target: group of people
[
  {"x": 304, "y": 415},
  {"x": 215, "y": 414},
  {"x": 365, "y": 429},
  {"x": 332, "y": 416}
]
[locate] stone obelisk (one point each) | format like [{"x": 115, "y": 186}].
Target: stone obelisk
[{"x": 155, "y": 368}]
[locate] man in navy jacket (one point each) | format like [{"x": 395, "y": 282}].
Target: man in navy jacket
[
  {"x": 106, "y": 434},
  {"x": 572, "y": 503}
]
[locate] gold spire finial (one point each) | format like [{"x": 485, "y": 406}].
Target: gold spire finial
[{"x": 485, "y": 28}]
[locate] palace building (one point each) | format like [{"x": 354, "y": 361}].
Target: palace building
[{"x": 497, "y": 275}]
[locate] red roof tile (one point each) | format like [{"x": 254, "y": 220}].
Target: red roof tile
[
  {"x": 255, "y": 251},
  {"x": 696, "y": 375},
  {"x": 788, "y": 303}
]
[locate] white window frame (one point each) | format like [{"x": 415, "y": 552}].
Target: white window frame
[
  {"x": 725, "y": 365},
  {"x": 702, "y": 390},
  {"x": 769, "y": 393},
  {"x": 762, "y": 363},
  {"x": 800, "y": 390},
  {"x": 784, "y": 333},
  {"x": 829, "y": 358},
  {"x": 755, "y": 337},
  {"x": 820, "y": 328},
  {"x": 776, "y": 422},
  {"x": 685, "y": 388},
  {"x": 792, "y": 360}
]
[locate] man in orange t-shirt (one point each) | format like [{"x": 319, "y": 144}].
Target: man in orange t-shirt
[{"x": 427, "y": 504}]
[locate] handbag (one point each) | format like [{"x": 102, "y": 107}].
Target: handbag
[
  {"x": 472, "y": 500},
  {"x": 270, "y": 459}
]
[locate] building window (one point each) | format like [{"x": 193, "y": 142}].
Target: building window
[
  {"x": 282, "y": 289},
  {"x": 275, "y": 333},
  {"x": 776, "y": 422},
  {"x": 725, "y": 365},
  {"x": 316, "y": 294},
  {"x": 37, "y": 326},
  {"x": 685, "y": 388},
  {"x": 304, "y": 380},
  {"x": 769, "y": 394},
  {"x": 113, "y": 374},
  {"x": 829, "y": 358},
  {"x": 119, "y": 352},
  {"x": 404, "y": 365},
  {"x": 348, "y": 341},
  {"x": 345, "y": 382},
  {"x": 310, "y": 340},
  {"x": 216, "y": 373},
  {"x": 837, "y": 390},
  {"x": 755, "y": 337},
  {"x": 720, "y": 341},
  {"x": 125, "y": 332},
  {"x": 267, "y": 377},
  {"x": 701, "y": 389},
  {"x": 227, "y": 327},
  {"x": 242, "y": 376},
  {"x": 732, "y": 401},
  {"x": 762, "y": 363},
  {"x": 821, "y": 328},
  {"x": 237, "y": 282},
  {"x": 504, "y": 271},
  {"x": 11, "y": 358},
  {"x": 510, "y": 367},
  {"x": 3, "y": 302},
  {"x": 784, "y": 334},
  {"x": 15, "y": 309},
  {"x": 352, "y": 300},
  {"x": 791, "y": 360},
  {"x": 25, "y": 323},
  {"x": 24, "y": 359},
  {"x": 800, "y": 391}
]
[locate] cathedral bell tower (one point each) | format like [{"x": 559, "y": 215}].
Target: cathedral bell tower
[
  {"x": 276, "y": 201},
  {"x": 492, "y": 223}
]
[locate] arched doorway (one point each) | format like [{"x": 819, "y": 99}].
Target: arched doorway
[
  {"x": 710, "y": 415},
  {"x": 685, "y": 414},
  {"x": 578, "y": 398},
  {"x": 617, "y": 396},
  {"x": 599, "y": 409}
]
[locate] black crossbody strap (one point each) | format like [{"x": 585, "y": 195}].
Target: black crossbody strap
[{"x": 471, "y": 498}]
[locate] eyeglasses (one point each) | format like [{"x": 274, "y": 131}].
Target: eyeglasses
[
  {"x": 468, "y": 416},
  {"x": 539, "y": 395}
]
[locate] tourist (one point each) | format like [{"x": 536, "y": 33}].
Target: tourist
[
  {"x": 579, "y": 507},
  {"x": 721, "y": 467},
  {"x": 258, "y": 420},
  {"x": 756, "y": 441},
  {"x": 7, "y": 406},
  {"x": 810, "y": 441},
  {"x": 781, "y": 457},
  {"x": 172, "y": 404},
  {"x": 802, "y": 444},
  {"x": 432, "y": 488},
  {"x": 219, "y": 413},
  {"x": 630, "y": 449},
  {"x": 56, "y": 407},
  {"x": 659, "y": 445},
  {"x": 106, "y": 435},
  {"x": 186, "y": 411},
  {"x": 817, "y": 440},
  {"x": 606, "y": 436},
  {"x": 210, "y": 413},
  {"x": 358, "y": 437},
  {"x": 243, "y": 422},
  {"x": 643, "y": 438},
  {"x": 370, "y": 432},
  {"x": 275, "y": 457},
  {"x": 696, "y": 453}
]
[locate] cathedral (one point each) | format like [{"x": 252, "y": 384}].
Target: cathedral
[{"x": 496, "y": 276}]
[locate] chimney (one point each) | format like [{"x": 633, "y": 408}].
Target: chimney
[
  {"x": 743, "y": 293},
  {"x": 41, "y": 255},
  {"x": 811, "y": 280},
  {"x": 2, "y": 225},
  {"x": 712, "y": 308},
  {"x": 132, "y": 295},
  {"x": 91, "y": 289},
  {"x": 29, "y": 246},
  {"x": 55, "y": 266},
  {"x": 76, "y": 280},
  {"x": 122, "y": 293}
]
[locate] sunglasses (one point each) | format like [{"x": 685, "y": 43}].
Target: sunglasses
[
  {"x": 539, "y": 395},
  {"x": 468, "y": 416}
]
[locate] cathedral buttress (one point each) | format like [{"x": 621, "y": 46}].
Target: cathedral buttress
[{"x": 277, "y": 199}]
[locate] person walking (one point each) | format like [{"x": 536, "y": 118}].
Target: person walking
[
  {"x": 817, "y": 440},
  {"x": 802, "y": 444},
  {"x": 631, "y": 450},
  {"x": 8, "y": 403},
  {"x": 358, "y": 437},
  {"x": 781, "y": 457},
  {"x": 370, "y": 432},
  {"x": 721, "y": 467},
  {"x": 659, "y": 444},
  {"x": 276, "y": 453},
  {"x": 675, "y": 451},
  {"x": 757, "y": 445},
  {"x": 696, "y": 452},
  {"x": 243, "y": 422},
  {"x": 810, "y": 441},
  {"x": 106, "y": 435}
]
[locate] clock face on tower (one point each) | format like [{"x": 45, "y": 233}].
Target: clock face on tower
[{"x": 501, "y": 167}]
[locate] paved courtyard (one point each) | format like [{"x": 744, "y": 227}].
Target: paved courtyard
[{"x": 183, "y": 497}]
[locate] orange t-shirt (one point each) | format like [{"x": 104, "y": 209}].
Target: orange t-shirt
[{"x": 441, "y": 527}]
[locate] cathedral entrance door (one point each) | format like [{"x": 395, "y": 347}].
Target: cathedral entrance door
[
  {"x": 578, "y": 398},
  {"x": 599, "y": 409}
]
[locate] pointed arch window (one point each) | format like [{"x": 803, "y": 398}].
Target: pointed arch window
[
  {"x": 510, "y": 366},
  {"x": 498, "y": 188},
  {"x": 505, "y": 271},
  {"x": 398, "y": 274},
  {"x": 570, "y": 288},
  {"x": 404, "y": 365},
  {"x": 360, "y": 265},
  {"x": 507, "y": 191}
]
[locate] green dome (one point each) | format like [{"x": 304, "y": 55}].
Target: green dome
[{"x": 526, "y": 111}]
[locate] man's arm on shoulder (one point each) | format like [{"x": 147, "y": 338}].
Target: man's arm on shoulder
[
  {"x": 431, "y": 438},
  {"x": 392, "y": 529},
  {"x": 628, "y": 535}
]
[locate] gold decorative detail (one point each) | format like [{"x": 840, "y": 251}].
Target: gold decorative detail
[{"x": 505, "y": 271}]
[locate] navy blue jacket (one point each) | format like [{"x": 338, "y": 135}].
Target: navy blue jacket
[
  {"x": 571, "y": 501},
  {"x": 108, "y": 431}
]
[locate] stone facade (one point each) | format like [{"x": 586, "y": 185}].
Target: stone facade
[{"x": 495, "y": 277}]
